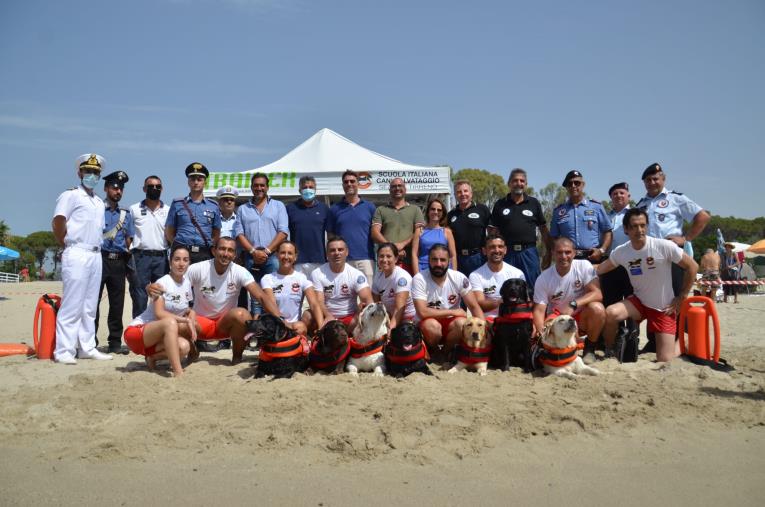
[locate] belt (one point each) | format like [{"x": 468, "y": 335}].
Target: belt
[
  {"x": 191, "y": 248},
  {"x": 469, "y": 251},
  {"x": 582, "y": 253},
  {"x": 84, "y": 246},
  {"x": 517, "y": 247},
  {"x": 114, "y": 256},
  {"x": 151, "y": 253}
]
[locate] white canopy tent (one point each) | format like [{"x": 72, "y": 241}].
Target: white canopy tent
[{"x": 325, "y": 156}]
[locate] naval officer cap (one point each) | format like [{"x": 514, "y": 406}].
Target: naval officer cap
[
  {"x": 117, "y": 179},
  {"x": 227, "y": 191},
  {"x": 90, "y": 161},
  {"x": 651, "y": 170},
  {"x": 570, "y": 176},
  {"x": 196, "y": 169}
]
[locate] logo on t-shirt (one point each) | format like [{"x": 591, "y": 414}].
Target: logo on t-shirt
[
  {"x": 208, "y": 291},
  {"x": 557, "y": 296},
  {"x": 650, "y": 261},
  {"x": 663, "y": 203},
  {"x": 578, "y": 283},
  {"x": 634, "y": 267},
  {"x": 344, "y": 290},
  {"x": 278, "y": 289},
  {"x": 527, "y": 213},
  {"x": 401, "y": 282},
  {"x": 452, "y": 299},
  {"x": 329, "y": 289},
  {"x": 361, "y": 279},
  {"x": 173, "y": 298},
  {"x": 490, "y": 290},
  {"x": 295, "y": 287},
  {"x": 470, "y": 215},
  {"x": 454, "y": 219},
  {"x": 434, "y": 304},
  {"x": 506, "y": 211}
]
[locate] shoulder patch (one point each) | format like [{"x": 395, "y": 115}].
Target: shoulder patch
[
  {"x": 676, "y": 193},
  {"x": 401, "y": 282},
  {"x": 465, "y": 283},
  {"x": 361, "y": 279}
]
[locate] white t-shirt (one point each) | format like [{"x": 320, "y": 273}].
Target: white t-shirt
[
  {"x": 441, "y": 297},
  {"x": 288, "y": 292},
  {"x": 216, "y": 294},
  {"x": 557, "y": 291},
  {"x": 489, "y": 283},
  {"x": 340, "y": 289},
  {"x": 177, "y": 297},
  {"x": 149, "y": 227},
  {"x": 84, "y": 217},
  {"x": 388, "y": 287},
  {"x": 650, "y": 270}
]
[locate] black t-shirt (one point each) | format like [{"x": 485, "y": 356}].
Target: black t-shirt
[
  {"x": 469, "y": 226},
  {"x": 518, "y": 223}
]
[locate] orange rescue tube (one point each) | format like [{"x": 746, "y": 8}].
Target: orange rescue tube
[
  {"x": 44, "y": 328},
  {"x": 696, "y": 312},
  {"x": 15, "y": 349}
]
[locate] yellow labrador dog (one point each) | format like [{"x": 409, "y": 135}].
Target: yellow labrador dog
[
  {"x": 560, "y": 355},
  {"x": 474, "y": 349}
]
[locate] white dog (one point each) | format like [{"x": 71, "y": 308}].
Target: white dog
[
  {"x": 368, "y": 339},
  {"x": 560, "y": 355}
]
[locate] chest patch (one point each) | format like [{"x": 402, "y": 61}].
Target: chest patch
[
  {"x": 470, "y": 215},
  {"x": 663, "y": 203},
  {"x": 527, "y": 213}
]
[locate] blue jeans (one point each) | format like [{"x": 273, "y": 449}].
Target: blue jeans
[
  {"x": 271, "y": 265},
  {"x": 527, "y": 260},
  {"x": 148, "y": 269},
  {"x": 466, "y": 264}
]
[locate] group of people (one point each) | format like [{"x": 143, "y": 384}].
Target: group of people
[
  {"x": 199, "y": 268},
  {"x": 716, "y": 268}
]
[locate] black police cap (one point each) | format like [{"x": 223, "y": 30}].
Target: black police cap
[
  {"x": 570, "y": 175},
  {"x": 117, "y": 179},
  {"x": 651, "y": 170},
  {"x": 616, "y": 186},
  {"x": 197, "y": 169}
]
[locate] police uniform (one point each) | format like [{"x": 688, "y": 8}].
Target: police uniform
[
  {"x": 149, "y": 250},
  {"x": 227, "y": 224},
  {"x": 80, "y": 268},
  {"x": 118, "y": 232},
  {"x": 194, "y": 222},
  {"x": 583, "y": 223},
  {"x": 469, "y": 229},
  {"x": 518, "y": 223}
]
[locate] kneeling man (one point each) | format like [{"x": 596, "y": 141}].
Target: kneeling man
[
  {"x": 338, "y": 285},
  {"x": 487, "y": 281},
  {"x": 648, "y": 262},
  {"x": 571, "y": 287},
  {"x": 216, "y": 283},
  {"x": 437, "y": 293}
]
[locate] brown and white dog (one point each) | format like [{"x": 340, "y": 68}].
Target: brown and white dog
[
  {"x": 474, "y": 349},
  {"x": 368, "y": 340},
  {"x": 559, "y": 355}
]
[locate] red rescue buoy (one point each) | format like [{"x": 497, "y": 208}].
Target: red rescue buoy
[
  {"x": 696, "y": 312},
  {"x": 44, "y": 328},
  {"x": 15, "y": 349}
]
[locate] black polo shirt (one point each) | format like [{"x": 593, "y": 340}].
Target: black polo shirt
[
  {"x": 518, "y": 223},
  {"x": 469, "y": 226}
]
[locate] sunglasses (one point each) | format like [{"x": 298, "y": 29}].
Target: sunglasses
[
  {"x": 349, "y": 182},
  {"x": 155, "y": 187},
  {"x": 575, "y": 183}
]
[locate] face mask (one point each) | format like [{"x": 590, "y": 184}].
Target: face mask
[
  {"x": 90, "y": 180},
  {"x": 308, "y": 194},
  {"x": 153, "y": 194}
]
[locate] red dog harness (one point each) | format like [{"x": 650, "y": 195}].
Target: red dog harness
[
  {"x": 292, "y": 347},
  {"x": 518, "y": 313},
  {"x": 328, "y": 361},
  {"x": 403, "y": 357},
  {"x": 557, "y": 357},
  {"x": 472, "y": 355},
  {"x": 373, "y": 347}
]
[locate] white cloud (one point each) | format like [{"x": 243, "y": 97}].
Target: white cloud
[{"x": 213, "y": 147}]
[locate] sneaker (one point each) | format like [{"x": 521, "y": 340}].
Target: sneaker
[
  {"x": 589, "y": 352},
  {"x": 207, "y": 345},
  {"x": 94, "y": 354},
  {"x": 224, "y": 344},
  {"x": 116, "y": 348},
  {"x": 67, "y": 359}
]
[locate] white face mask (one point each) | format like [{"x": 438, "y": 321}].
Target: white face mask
[{"x": 90, "y": 180}]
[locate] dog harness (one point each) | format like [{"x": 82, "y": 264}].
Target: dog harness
[
  {"x": 327, "y": 361},
  {"x": 292, "y": 347},
  {"x": 472, "y": 355},
  {"x": 518, "y": 313},
  {"x": 358, "y": 350},
  {"x": 403, "y": 357},
  {"x": 557, "y": 357}
]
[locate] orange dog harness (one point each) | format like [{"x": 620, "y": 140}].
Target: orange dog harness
[
  {"x": 557, "y": 357},
  {"x": 373, "y": 347},
  {"x": 403, "y": 357},
  {"x": 295, "y": 346},
  {"x": 328, "y": 361},
  {"x": 472, "y": 355},
  {"x": 518, "y": 313}
]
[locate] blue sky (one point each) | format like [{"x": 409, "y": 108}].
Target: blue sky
[{"x": 603, "y": 87}]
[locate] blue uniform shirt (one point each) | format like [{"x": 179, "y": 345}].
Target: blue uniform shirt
[
  {"x": 582, "y": 223},
  {"x": 617, "y": 221},
  {"x": 227, "y": 226},
  {"x": 261, "y": 228},
  {"x": 206, "y": 213},
  {"x": 353, "y": 224},
  {"x": 127, "y": 230},
  {"x": 667, "y": 212},
  {"x": 308, "y": 225}
]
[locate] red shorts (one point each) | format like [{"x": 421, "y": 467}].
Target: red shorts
[
  {"x": 556, "y": 313},
  {"x": 405, "y": 267},
  {"x": 346, "y": 320},
  {"x": 134, "y": 341},
  {"x": 658, "y": 322},
  {"x": 444, "y": 324},
  {"x": 209, "y": 329}
]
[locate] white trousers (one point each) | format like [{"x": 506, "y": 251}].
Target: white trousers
[{"x": 76, "y": 319}]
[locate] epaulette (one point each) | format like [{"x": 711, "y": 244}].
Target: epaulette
[
  {"x": 676, "y": 193},
  {"x": 73, "y": 188},
  {"x": 596, "y": 202},
  {"x": 178, "y": 199},
  {"x": 214, "y": 202}
]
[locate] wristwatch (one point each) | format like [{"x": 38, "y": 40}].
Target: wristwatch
[{"x": 573, "y": 304}]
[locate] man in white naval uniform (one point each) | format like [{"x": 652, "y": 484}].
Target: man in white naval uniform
[{"x": 78, "y": 221}]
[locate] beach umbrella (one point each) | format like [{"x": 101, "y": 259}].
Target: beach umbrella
[
  {"x": 6, "y": 254},
  {"x": 720, "y": 242},
  {"x": 757, "y": 248}
]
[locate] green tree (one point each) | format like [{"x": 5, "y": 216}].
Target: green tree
[
  {"x": 487, "y": 186},
  {"x": 4, "y": 233},
  {"x": 550, "y": 196},
  {"x": 38, "y": 244}
]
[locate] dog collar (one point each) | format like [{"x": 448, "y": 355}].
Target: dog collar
[
  {"x": 358, "y": 350},
  {"x": 472, "y": 355},
  {"x": 328, "y": 361},
  {"x": 402, "y": 357},
  {"x": 558, "y": 357}
]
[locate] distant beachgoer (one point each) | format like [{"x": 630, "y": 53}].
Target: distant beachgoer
[
  {"x": 24, "y": 274},
  {"x": 731, "y": 270}
]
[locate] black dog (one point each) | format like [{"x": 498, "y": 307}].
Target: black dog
[
  {"x": 282, "y": 352},
  {"x": 405, "y": 353},
  {"x": 330, "y": 348},
  {"x": 513, "y": 328}
]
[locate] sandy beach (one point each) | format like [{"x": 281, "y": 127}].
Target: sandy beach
[{"x": 112, "y": 433}]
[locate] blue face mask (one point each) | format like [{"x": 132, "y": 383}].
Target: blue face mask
[
  {"x": 90, "y": 180},
  {"x": 308, "y": 194}
]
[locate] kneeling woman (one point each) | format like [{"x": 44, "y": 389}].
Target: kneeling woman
[
  {"x": 167, "y": 328},
  {"x": 393, "y": 286},
  {"x": 287, "y": 288}
]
